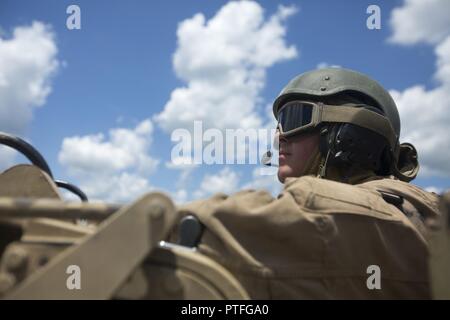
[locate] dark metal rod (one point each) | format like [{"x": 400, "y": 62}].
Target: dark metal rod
[{"x": 57, "y": 209}]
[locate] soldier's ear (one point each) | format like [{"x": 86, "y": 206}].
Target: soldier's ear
[{"x": 407, "y": 166}]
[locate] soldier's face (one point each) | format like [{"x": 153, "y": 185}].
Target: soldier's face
[{"x": 294, "y": 154}]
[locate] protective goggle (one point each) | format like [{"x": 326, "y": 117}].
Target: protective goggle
[{"x": 297, "y": 116}]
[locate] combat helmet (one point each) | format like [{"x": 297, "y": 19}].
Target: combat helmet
[{"x": 362, "y": 130}]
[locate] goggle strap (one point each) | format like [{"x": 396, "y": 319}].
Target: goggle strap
[{"x": 363, "y": 118}]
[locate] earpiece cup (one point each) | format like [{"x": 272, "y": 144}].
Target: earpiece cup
[{"x": 350, "y": 145}]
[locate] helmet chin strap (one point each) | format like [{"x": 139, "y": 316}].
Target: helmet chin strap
[
  {"x": 322, "y": 170},
  {"x": 349, "y": 175}
]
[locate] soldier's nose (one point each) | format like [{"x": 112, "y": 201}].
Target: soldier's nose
[{"x": 283, "y": 143}]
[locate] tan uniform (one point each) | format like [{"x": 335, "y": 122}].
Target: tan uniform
[{"x": 317, "y": 239}]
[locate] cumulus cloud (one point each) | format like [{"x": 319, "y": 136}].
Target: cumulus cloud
[
  {"x": 425, "y": 113},
  {"x": 7, "y": 156},
  {"x": 420, "y": 21},
  {"x": 223, "y": 61},
  {"x": 425, "y": 120},
  {"x": 121, "y": 187},
  {"x": 225, "y": 181},
  {"x": 27, "y": 62},
  {"x": 180, "y": 196},
  {"x": 434, "y": 189},
  {"x": 228, "y": 181},
  {"x": 262, "y": 181},
  {"x": 113, "y": 168}
]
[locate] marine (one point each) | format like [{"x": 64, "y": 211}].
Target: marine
[{"x": 347, "y": 202}]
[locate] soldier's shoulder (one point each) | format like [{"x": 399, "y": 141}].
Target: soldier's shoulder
[
  {"x": 322, "y": 196},
  {"x": 314, "y": 184},
  {"x": 420, "y": 198}
]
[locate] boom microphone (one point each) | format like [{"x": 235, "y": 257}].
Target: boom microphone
[
  {"x": 267, "y": 159},
  {"x": 267, "y": 156}
]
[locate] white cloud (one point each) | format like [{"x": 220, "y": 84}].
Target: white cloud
[
  {"x": 7, "y": 156},
  {"x": 125, "y": 148},
  {"x": 119, "y": 187},
  {"x": 425, "y": 117},
  {"x": 181, "y": 163},
  {"x": 226, "y": 181},
  {"x": 180, "y": 196},
  {"x": 434, "y": 189},
  {"x": 267, "y": 182},
  {"x": 27, "y": 62},
  {"x": 443, "y": 62},
  {"x": 224, "y": 61},
  {"x": 420, "y": 21},
  {"x": 113, "y": 169},
  {"x": 425, "y": 113},
  {"x": 323, "y": 65}
]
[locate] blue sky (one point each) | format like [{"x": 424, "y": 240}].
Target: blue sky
[{"x": 118, "y": 71}]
